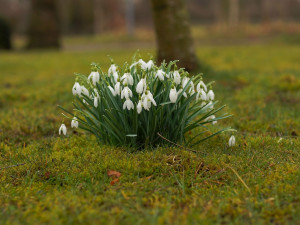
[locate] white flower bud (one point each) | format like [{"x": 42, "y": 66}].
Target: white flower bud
[
  {"x": 76, "y": 90},
  {"x": 210, "y": 95},
  {"x": 141, "y": 86},
  {"x": 126, "y": 92},
  {"x": 128, "y": 104},
  {"x": 231, "y": 141},
  {"x": 74, "y": 123},
  {"x": 176, "y": 77},
  {"x": 173, "y": 95},
  {"x": 62, "y": 129},
  {"x": 160, "y": 74}
]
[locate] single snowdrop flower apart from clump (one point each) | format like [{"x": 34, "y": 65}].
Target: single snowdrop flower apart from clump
[
  {"x": 160, "y": 74},
  {"x": 128, "y": 104},
  {"x": 173, "y": 95},
  {"x": 139, "y": 107},
  {"x": 74, "y": 123},
  {"x": 112, "y": 90},
  {"x": 127, "y": 79},
  {"x": 231, "y": 141},
  {"x": 95, "y": 77},
  {"x": 210, "y": 95},
  {"x": 126, "y": 92},
  {"x": 76, "y": 90},
  {"x": 62, "y": 130},
  {"x": 200, "y": 86},
  {"x": 141, "y": 86},
  {"x": 117, "y": 88},
  {"x": 176, "y": 77},
  {"x": 112, "y": 69}
]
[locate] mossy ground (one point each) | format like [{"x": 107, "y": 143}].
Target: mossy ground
[{"x": 64, "y": 179}]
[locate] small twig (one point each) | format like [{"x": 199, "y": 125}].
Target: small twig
[
  {"x": 191, "y": 150},
  {"x": 20, "y": 164},
  {"x": 238, "y": 176},
  {"x": 197, "y": 170}
]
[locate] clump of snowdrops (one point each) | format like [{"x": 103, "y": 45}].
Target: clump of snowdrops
[{"x": 139, "y": 103}]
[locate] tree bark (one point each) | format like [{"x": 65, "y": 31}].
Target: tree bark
[
  {"x": 173, "y": 33},
  {"x": 44, "y": 30},
  {"x": 233, "y": 13}
]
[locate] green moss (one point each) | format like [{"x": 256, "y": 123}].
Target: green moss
[{"x": 64, "y": 179}]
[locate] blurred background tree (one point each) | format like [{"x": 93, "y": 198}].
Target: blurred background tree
[
  {"x": 173, "y": 33},
  {"x": 43, "y": 21},
  {"x": 5, "y": 34},
  {"x": 44, "y": 26}
]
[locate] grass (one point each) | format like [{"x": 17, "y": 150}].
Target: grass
[{"x": 65, "y": 181}]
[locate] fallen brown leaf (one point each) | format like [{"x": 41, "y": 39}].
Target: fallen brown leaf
[
  {"x": 114, "y": 181},
  {"x": 112, "y": 173}
]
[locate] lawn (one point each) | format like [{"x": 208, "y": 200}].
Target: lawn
[{"x": 48, "y": 179}]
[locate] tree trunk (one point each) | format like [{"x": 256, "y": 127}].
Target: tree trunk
[
  {"x": 173, "y": 34},
  {"x": 44, "y": 30},
  {"x": 130, "y": 17},
  {"x": 233, "y": 13}
]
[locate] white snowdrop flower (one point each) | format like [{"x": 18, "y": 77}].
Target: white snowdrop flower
[
  {"x": 147, "y": 99},
  {"x": 231, "y": 141},
  {"x": 201, "y": 85},
  {"x": 173, "y": 95},
  {"x": 210, "y": 105},
  {"x": 146, "y": 66},
  {"x": 139, "y": 107},
  {"x": 176, "y": 77},
  {"x": 127, "y": 79},
  {"x": 149, "y": 95},
  {"x": 184, "y": 94},
  {"x": 210, "y": 95},
  {"x": 133, "y": 64},
  {"x": 141, "y": 62},
  {"x": 117, "y": 88},
  {"x": 185, "y": 80},
  {"x": 112, "y": 90},
  {"x": 212, "y": 117},
  {"x": 192, "y": 88},
  {"x": 279, "y": 140},
  {"x": 96, "y": 102},
  {"x": 74, "y": 123},
  {"x": 62, "y": 130},
  {"x": 128, "y": 104},
  {"x": 126, "y": 92},
  {"x": 160, "y": 74},
  {"x": 84, "y": 91},
  {"x": 201, "y": 95},
  {"x": 141, "y": 86},
  {"x": 95, "y": 77},
  {"x": 112, "y": 69},
  {"x": 85, "y": 102},
  {"x": 96, "y": 93},
  {"x": 116, "y": 76},
  {"x": 76, "y": 90}
]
